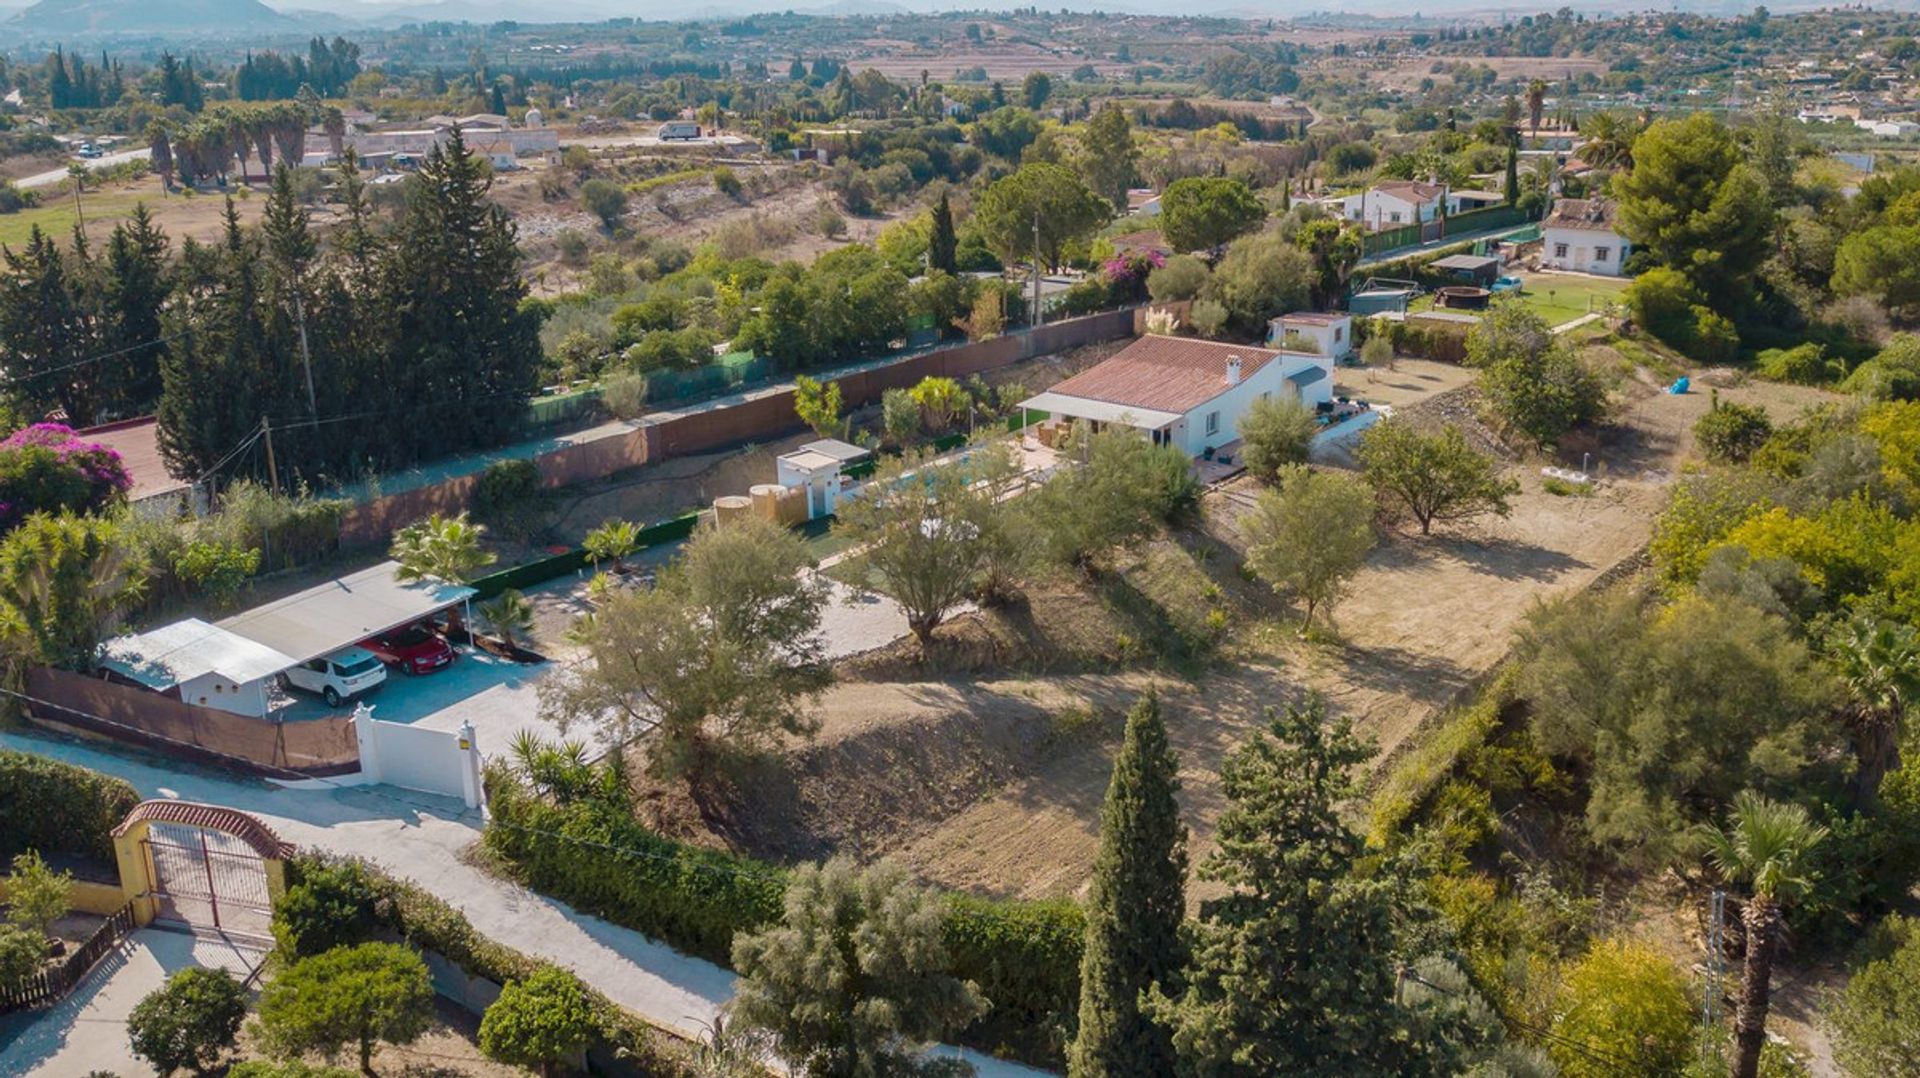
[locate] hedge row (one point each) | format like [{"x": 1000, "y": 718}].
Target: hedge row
[
  {"x": 54, "y": 807},
  {"x": 405, "y": 910},
  {"x": 1436, "y": 757},
  {"x": 1025, "y": 956},
  {"x": 539, "y": 572}
]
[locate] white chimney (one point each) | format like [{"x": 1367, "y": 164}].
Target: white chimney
[{"x": 1233, "y": 370}]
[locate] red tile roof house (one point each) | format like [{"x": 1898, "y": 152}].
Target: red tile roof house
[{"x": 1186, "y": 392}]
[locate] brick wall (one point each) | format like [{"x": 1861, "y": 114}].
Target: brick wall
[{"x": 760, "y": 419}]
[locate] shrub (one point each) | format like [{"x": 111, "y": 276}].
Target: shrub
[
  {"x": 214, "y": 569},
  {"x": 1804, "y": 364},
  {"x": 504, "y": 485},
  {"x": 539, "y": 1021},
  {"x": 1892, "y": 374},
  {"x": 1275, "y": 433},
  {"x": 1623, "y": 1002},
  {"x": 37, "y": 896},
  {"x": 625, "y": 395},
  {"x": 1183, "y": 277},
  {"x": 331, "y": 906},
  {"x": 899, "y": 416},
  {"x": 1730, "y": 433},
  {"x": 1662, "y": 302},
  {"x": 292, "y": 1068},
  {"x": 1714, "y": 338},
  {"x": 47, "y": 468},
  {"x": 605, "y": 200},
  {"x": 188, "y": 1022},
  {"x": 1209, "y": 317},
  {"x": 727, "y": 182},
  {"x": 57, "y": 807},
  {"x": 349, "y": 997},
  {"x": 21, "y": 953}
]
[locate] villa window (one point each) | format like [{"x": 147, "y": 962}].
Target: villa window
[
  {"x": 1559, "y": 250},
  {"x": 1213, "y": 423},
  {"x": 1600, "y": 253}
]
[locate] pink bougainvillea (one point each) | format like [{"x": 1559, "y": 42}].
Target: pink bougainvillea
[{"x": 47, "y": 467}]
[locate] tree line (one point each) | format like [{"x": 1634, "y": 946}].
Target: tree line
[{"x": 389, "y": 343}]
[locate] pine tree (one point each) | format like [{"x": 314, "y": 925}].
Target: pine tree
[
  {"x": 460, "y": 339},
  {"x": 943, "y": 243},
  {"x": 44, "y": 327},
  {"x": 215, "y": 384},
  {"x": 1134, "y": 911},
  {"x": 1108, "y": 155},
  {"x": 1293, "y": 969},
  {"x": 137, "y": 283}
]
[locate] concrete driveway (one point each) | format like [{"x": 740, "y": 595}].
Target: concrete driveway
[
  {"x": 47, "y": 179},
  {"x": 87, "y": 1031},
  {"x": 424, "y": 839}
]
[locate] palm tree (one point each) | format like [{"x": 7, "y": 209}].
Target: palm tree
[
  {"x": 1536, "y": 101},
  {"x": 445, "y": 549},
  {"x": 508, "y": 614},
  {"x": 1879, "y": 663},
  {"x": 612, "y": 541},
  {"x": 1765, "y": 847},
  {"x": 1609, "y": 141}
]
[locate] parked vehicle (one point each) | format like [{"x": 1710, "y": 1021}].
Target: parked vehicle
[
  {"x": 338, "y": 677},
  {"x": 411, "y": 649},
  {"x": 688, "y": 131},
  {"x": 1508, "y": 284}
]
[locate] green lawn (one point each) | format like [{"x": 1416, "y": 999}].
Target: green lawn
[
  {"x": 1556, "y": 298},
  {"x": 55, "y": 216}
]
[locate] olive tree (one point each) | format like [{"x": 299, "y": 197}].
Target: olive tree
[
  {"x": 1310, "y": 535},
  {"x": 929, "y": 532},
  {"x": 851, "y": 980},
  {"x": 1274, "y": 433},
  {"x": 1434, "y": 477}
]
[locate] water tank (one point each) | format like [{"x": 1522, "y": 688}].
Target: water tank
[
  {"x": 535, "y": 119},
  {"x": 731, "y": 507}
]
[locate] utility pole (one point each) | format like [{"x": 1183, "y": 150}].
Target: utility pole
[
  {"x": 273, "y": 470},
  {"x": 306, "y": 357},
  {"x": 1033, "y": 320}
]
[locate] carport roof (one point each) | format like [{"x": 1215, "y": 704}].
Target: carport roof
[
  {"x": 344, "y": 611},
  {"x": 164, "y": 657}
]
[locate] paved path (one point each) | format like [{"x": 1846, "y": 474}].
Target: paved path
[
  {"x": 87, "y": 1031},
  {"x": 423, "y": 838},
  {"x": 1568, "y": 327},
  {"x": 48, "y": 179}
]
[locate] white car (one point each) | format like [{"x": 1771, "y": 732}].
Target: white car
[{"x": 338, "y": 677}]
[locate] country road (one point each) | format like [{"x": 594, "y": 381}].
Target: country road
[{"x": 48, "y": 179}]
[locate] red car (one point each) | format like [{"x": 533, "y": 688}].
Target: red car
[{"x": 411, "y": 649}]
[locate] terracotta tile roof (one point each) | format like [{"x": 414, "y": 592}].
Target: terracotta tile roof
[
  {"x": 1164, "y": 374},
  {"x": 1587, "y": 214},
  {"x": 138, "y": 443},
  {"x": 213, "y": 817},
  {"x": 1412, "y": 190}
]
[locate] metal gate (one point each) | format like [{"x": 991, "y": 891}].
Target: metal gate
[{"x": 205, "y": 879}]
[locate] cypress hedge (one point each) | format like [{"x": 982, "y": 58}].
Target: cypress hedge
[
  {"x": 56, "y": 807},
  {"x": 1025, "y": 956}
]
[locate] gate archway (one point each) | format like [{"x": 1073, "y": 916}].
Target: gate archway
[{"x": 202, "y": 867}]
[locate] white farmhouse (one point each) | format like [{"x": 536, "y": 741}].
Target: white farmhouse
[
  {"x": 1579, "y": 234},
  {"x": 1330, "y": 333},
  {"x": 1395, "y": 203},
  {"x": 1186, "y": 392}
]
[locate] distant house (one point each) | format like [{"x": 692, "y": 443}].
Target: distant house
[
  {"x": 1467, "y": 201},
  {"x": 1579, "y": 234},
  {"x": 1395, "y": 203},
  {"x": 1143, "y": 202},
  {"x": 1330, "y": 333},
  {"x": 1186, "y": 392}
]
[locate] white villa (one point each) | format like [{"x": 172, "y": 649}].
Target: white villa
[
  {"x": 1186, "y": 392},
  {"x": 1394, "y": 203},
  {"x": 1330, "y": 332},
  {"x": 1579, "y": 234}
]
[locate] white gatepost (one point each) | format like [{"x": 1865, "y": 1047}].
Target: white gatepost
[
  {"x": 471, "y": 789},
  {"x": 369, "y": 741}
]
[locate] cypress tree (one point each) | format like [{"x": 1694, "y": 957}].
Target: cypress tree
[
  {"x": 1134, "y": 911},
  {"x": 1513, "y": 175},
  {"x": 943, "y": 243},
  {"x": 137, "y": 283}
]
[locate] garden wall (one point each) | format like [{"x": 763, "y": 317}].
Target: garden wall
[
  {"x": 324, "y": 746},
  {"x": 756, "y": 416}
]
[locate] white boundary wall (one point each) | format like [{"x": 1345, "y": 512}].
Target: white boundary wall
[{"x": 433, "y": 761}]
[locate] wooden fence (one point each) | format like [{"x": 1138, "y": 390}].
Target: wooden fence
[{"x": 52, "y": 984}]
